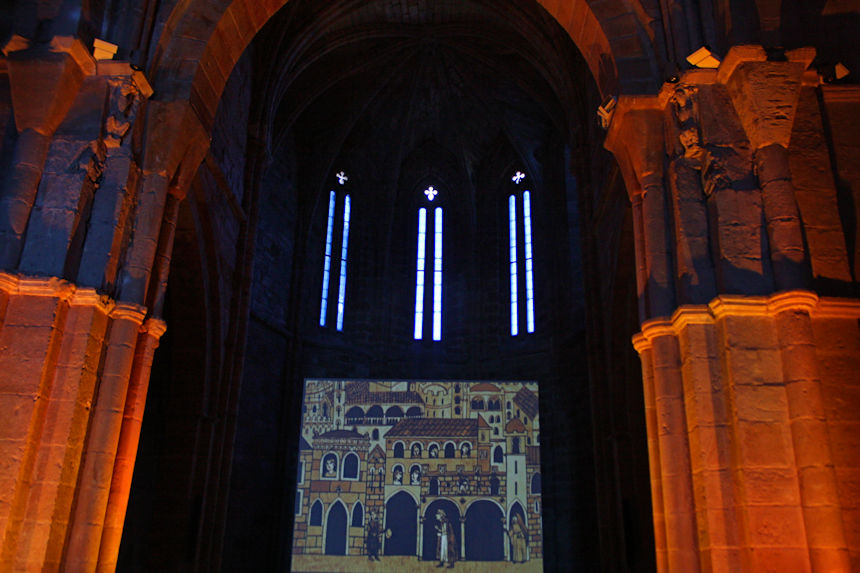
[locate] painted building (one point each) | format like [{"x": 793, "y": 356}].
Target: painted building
[{"x": 403, "y": 467}]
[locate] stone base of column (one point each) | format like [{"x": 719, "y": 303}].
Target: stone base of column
[
  {"x": 753, "y": 405},
  {"x": 57, "y": 342}
]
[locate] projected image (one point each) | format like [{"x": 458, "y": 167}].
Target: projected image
[{"x": 396, "y": 475}]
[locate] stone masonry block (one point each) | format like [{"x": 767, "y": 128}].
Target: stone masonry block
[
  {"x": 771, "y": 486},
  {"x": 760, "y": 404},
  {"x": 753, "y": 366},
  {"x": 763, "y": 444},
  {"x": 775, "y": 526},
  {"x": 817, "y": 483},
  {"x": 845, "y": 443},
  {"x": 749, "y": 332},
  {"x": 777, "y": 560}
]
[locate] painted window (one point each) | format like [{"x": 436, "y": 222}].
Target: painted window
[
  {"x": 520, "y": 260},
  {"x": 357, "y": 515},
  {"x": 328, "y": 257},
  {"x": 298, "y": 502},
  {"x": 316, "y": 513},
  {"x": 421, "y": 284},
  {"x": 536, "y": 483},
  {"x": 350, "y": 466}
]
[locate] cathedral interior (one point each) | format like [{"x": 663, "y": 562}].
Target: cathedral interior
[{"x": 651, "y": 209}]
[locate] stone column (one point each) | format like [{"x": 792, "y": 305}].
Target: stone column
[
  {"x": 818, "y": 488},
  {"x": 421, "y": 526},
  {"x": 76, "y": 360},
  {"x": 463, "y": 537},
  {"x": 636, "y": 139},
  {"x": 120, "y": 485},
  {"x": 744, "y": 470}
]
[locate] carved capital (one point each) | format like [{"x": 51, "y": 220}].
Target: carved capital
[
  {"x": 636, "y": 139},
  {"x": 764, "y": 92},
  {"x": 44, "y": 80}
]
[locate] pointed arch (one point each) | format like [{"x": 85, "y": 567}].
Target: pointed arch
[
  {"x": 357, "y": 515},
  {"x": 316, "y": 513},
  {"x": 334, "y": 533}
]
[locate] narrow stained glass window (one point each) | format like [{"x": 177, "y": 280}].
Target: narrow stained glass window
[
  {"x": 437, "y": 277},
  {"x": 419, "y": 278},
  {"x": 327, "y": 260},
  {"x": 512, "y": 225},
  {"x": 530, "y": 299},
  {"x": 341, "y": 295}
]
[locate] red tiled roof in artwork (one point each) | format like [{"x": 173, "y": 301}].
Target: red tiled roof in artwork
[
  {"x": 527, "y": 401},
  {"x": 484, "y": 387},
  {"x": 435, "y": 427},
  {"x": 515, "y": 425}
]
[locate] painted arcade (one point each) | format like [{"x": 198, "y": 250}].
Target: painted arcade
[{"x": 386, "y": 467}]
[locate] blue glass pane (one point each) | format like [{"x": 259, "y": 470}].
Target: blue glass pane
[
  {"x": 530, "y": 297},
  {"x": 419, "y": 278},
  {"x": 437, "y": 277},
  {"x": 327, "y": 259},
  {"x": 341, "y": 295},
  {"x": 512, "y": 226}
]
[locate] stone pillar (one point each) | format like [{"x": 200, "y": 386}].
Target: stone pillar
[
  {"x": 818, "y": 487},
  {"x": 77, "y": 352},
  {"x": 463, "y": 537},
  {"x": 120, "y": 485},
  {"x": 744, "y": 471},
  {"x": 421, "y": 525},
  {"x": 636, "y": 138}
]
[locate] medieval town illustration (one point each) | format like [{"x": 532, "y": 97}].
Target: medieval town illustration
[{"x": 435, "y": 471}]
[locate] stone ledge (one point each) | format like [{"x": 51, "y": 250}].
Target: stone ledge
[{"x": 745, "y": 306}]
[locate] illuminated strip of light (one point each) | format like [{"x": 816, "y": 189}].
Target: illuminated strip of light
[
  {"x": 419, "y": 278},
  {"x": 530, "y": 295},
  {"x": 512, "y": 225},
  {"x": 341, "y": 295},
  {"x": 327, "y": 259},
  {"x": 437, "y": 277}
]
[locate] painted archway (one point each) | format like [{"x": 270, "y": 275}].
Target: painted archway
[
  {"x": 516, "y": 509},
  {"x": 484, "y": 532},
  {"x": 335, "y": 530},
  {"x": 401, "y": 518}
]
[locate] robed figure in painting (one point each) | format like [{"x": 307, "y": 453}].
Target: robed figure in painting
[
  {"x": 446, "y": 543},
  {"x": 373, "y": 537},
  {"x": 519, "y": 539}
]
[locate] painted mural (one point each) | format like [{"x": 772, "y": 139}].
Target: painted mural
[{"x": 414, "y": 475}]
